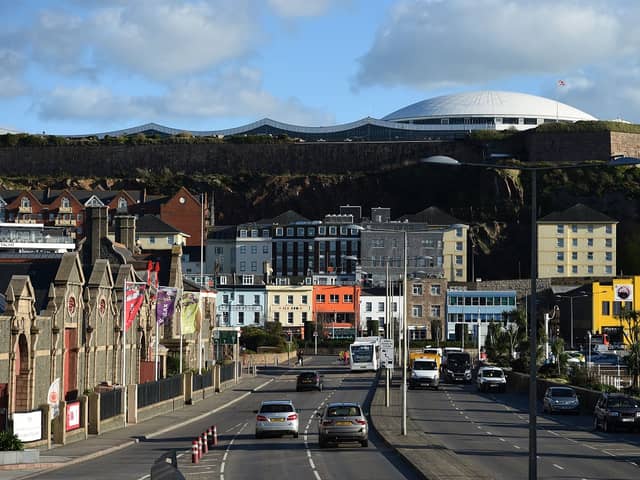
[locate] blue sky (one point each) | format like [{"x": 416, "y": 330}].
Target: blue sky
[{"x": 85, "y": 66}]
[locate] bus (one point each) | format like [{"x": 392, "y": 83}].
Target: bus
[{"x": 364, "y": 354}]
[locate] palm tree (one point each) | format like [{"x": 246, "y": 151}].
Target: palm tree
[{"x": 630, "y": 323}]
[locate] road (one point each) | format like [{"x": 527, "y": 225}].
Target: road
[
  {"x": 490, "y": 431},
  {"x": 240, "y": 455}
]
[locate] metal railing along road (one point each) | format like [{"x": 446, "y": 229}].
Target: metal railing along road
[
  {"x": 110, "y": 403},
  {"x": 226, "y": 372},
  {"x": 154, "y": 392},
  {"x": 199, "y": 382}
]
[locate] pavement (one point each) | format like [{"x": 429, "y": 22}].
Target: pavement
[{"x": 429, "y": 458}]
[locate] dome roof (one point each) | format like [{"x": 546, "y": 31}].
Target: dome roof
[{"x": 489, "y": 104}]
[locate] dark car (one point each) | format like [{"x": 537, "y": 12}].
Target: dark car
[
  {"x": 616, "y": 410},
  {"x": 309, "y": 381},
  {"x": 342, "y": 422},
  {"x": 561, "y": 399}
]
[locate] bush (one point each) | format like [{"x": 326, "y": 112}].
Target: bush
[{"x": 9, "y": 442}]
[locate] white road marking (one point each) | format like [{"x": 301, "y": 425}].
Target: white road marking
[
  {"x": 226, "y": 452},
  {"x": 516, "y": 446},
  {"x": 501, "y": 439},
  {"x": 558, "y": 466}
]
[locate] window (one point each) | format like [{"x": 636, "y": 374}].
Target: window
[
  {"x": 416, "y": 311},
  {"x": 560, "y": 269},
  {"x": 590, "y": 228},
  {"x": 276, "y": 299},
  {"x": 225, "y": 299},
  {"x": 243, "y": 233},
  {"x": 218, "y": 250},
  {"x": 333, "y": 231},
  {"x": 290, "y": 299},
  {"x": 435, "y": 311},
  {"x": 608, "y": 256},
  {"x": 265, "y": 249},
  {"x": 304, "y": 299},
  {"x": 368, "y": 307},
  {"x": 560, "y": 242},
  {"x": 303, "y": 317},
  {"x": 254, "y": 249},
  {"x": 574, "y": 242},
  {"x": 279, "y": 231},
  {"x": 458, "y": 259},
  {"x": 590, "y": 269},
  {"x": 254, "y": 266},
  {"x": 320, "y": 298},
  {"x": 559, "y": 228},
  {"x": 241, "y": 318},
  {"x": 459, "y": 246},
  {"x": 574, "y": 228},
  {"x": 458, "y": 272},
  {"x": 276, "y": 317},
  {"x": 458, "y": 231},
  {"x": 254, "y": 233},
  {"x": 589, "y": 242},
  {"x": 289, "y": 317},
  {"x": 322, "y": 230},
  {"x": 608, "y": 229},
  {"x": 608, "y": 242},
  {"x": 436, "y": 290},
  {"x": 243, "y": 266},
  {"x": 377, "y": 243},
  {"x": 64, "y": 202},
  {"x": 256, "y": 317},
  {"x": 608, "y": 269},
  {"x": 381, "y": 306},
  {"x": 590, "y": 256},
  {"x": 348, "y": 298},
  {"x": 574, "y": 255},
  {"x": 243, "y": 250},
  {"x": 122, "y": 204},
  {"x": 560, "y": 256},
  {"x": 417, "y": 289},
  {"x": 241, "y": 299},
  {"x": 574, "y": 269},
  {"x": 256, "y": 299},
  {"x": 289, "y": 231},
  {"x": 606, "y": 308},
  {"x": 334, "y": 298}
]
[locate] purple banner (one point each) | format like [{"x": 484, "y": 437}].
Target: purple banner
[{"x": 165, "y": 304}]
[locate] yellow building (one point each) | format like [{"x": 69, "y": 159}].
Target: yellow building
[
  {"x": 291, "y": 306},
  {"x": 576, "y": 242},
  {"x": 609, "y": 301}
]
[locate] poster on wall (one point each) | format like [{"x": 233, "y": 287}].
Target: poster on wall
[
  {"x": 623, "y": 292},
  {"x": 73, "y": 415},
  {"x": 28, "y": 425}
]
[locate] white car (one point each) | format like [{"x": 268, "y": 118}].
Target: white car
[
  {"x": 491, "y": 378},
  {"x": 277, "y": 417}
]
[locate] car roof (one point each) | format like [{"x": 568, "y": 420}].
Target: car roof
[
  {"x": 561, "y": 388},
  {"x": 343, "y": 404},
  {"x": 277, "y": 402},
  {"x": 490, "y": 367}
]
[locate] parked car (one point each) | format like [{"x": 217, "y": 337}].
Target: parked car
[
  {"x": 616, "y": 410},
  {"x": 277, "y": 417},
  {"x": 491, "y": 378},
  {"x": 560, "y": 399},
  {"x": 605, "y": 359},
  {"x": 342, "y": 422},
  {"x": 309, "y": 381},
  {"x": 575, "y": 357}
]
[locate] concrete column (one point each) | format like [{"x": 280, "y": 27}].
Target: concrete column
[
  {"x": 46, "y": 423},
  {"x": 187, "y": 387},
  {"x": 132, "y": 403},
  {"x": 60, "y": 424},
  {"x": 94, "y": 413},
  {"x": 216, "y": 378},
  {"x": 84, "y": 415}
]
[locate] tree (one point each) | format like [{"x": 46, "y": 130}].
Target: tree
[
  {"x": 630, "y": 323},
  {"x": 557, "y": 349}
]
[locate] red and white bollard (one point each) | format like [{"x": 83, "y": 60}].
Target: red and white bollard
[
  {"x": 194, "y": 452},
  {"x": 210, "y": 438},
  {"x": 205, "y": 444},
  {"x": 199, "y": 448},
  {"x": 215, "y": 435}
]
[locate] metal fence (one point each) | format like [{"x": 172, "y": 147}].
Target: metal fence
[
  {"x": 202, "y": 381},
  {"x": 110, "y": 403},
  {"x": 226, "y": 372},
  {"x": 154, "y": 392}
]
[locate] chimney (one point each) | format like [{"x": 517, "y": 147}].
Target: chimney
[
  {"x": 126, "y": 231},
  {"x": 96, "y": 230}
]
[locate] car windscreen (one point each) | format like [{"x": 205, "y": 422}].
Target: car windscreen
[
  {"x": 343, "y": 411},
  {"x": 306, "y": 376},
  {"x": 562, "y": 392},
  {"x": 276, "y": 408},
  {"x": 622, "y": 403},
  {"x": 361, "y": 353},
  {"x": 492, "y": 373},
  {"x": 425, "y": 365}
]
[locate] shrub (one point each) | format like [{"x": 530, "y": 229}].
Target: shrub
[{"x": 9, "y": 442}]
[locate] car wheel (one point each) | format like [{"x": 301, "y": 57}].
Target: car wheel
[
  {"x": 320, "y": 388},
  {"x": 295, "y": 435},
  {"x": 322, "y": 443},
  {"x": 258, "y": 435},
  {"x": 364, "y": 443}
]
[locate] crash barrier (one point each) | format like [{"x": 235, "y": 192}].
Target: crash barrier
[
  {"x": 195, "y": 454},
  {"x": 166, "y": 468},
  {"x": 164, "y": 389}
]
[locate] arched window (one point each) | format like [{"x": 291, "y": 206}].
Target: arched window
[
  {"x": 122, "y": 203},
  {"x": 25, "y": 202},
  {"x": 64, "y": 202}
]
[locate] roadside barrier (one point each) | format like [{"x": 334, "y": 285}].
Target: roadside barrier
[
  {"x": 215, "y": 435},
  {"x": 194, "y": 452},
  {"x": 199, "y": 448},
  {"x": 210, "y": 438},
  {"x": 205, "y": 444}
]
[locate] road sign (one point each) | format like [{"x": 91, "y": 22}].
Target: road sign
[{"x": 386, "y": 353}]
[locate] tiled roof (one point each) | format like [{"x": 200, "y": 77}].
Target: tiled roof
[
  {"x": 152, "y": 224},
  {"x": 42, "y": 273},
  {"x": 579, "y": 213},
  {"x": 287, "y": 218}
]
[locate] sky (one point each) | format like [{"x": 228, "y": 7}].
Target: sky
[{"x": 89, "y": 66}]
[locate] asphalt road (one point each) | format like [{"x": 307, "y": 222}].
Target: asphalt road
[
  {"x": 240, "y": 455},
  {"x": 490, "y": 431}
]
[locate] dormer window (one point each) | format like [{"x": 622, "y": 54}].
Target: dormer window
[
  {"x": 25, "y": 202},
  {"x": 64, "y": 202},
  {"x": 122, "y": 204}
]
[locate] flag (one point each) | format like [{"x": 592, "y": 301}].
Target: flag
[
  {"x": 561, "y": 83},
  {"x": 53, "y": 397},
  {"x": 165, "y": 304},
  {"x": 190, "y": 317},
  {"x": 134, "y": 296}
]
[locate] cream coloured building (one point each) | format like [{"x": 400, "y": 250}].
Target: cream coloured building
[
  {"x": 576, "y": 242},
  {"x": 291, "y": 305}
]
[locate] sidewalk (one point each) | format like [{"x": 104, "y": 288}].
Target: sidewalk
[
  {"x": 429, "y": 457},
  {"x": 104, "y": 444}
]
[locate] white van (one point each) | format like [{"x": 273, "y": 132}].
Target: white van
[{"x": 491, "y": 378}]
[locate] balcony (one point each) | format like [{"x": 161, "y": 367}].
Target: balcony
[
  {"x": 26, "y": 220},
  {"x": 65, "y": 210},
  {"x": 64, "y": 222},
  {"x": 22, "y": 209}
]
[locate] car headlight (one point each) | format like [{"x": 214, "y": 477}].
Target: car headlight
[
  {"x": 637, "y": 414},
  {"x": 467, "y": 372},
  {"x": 449, "y": 372},
  {"x": 614, "y": 414}
]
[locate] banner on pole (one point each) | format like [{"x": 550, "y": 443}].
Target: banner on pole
[
  {"x": 190, "y": 314},
  {"x": 134, "y": 296},
  {"x": 165, "y": 304},
  {"x": 53, "y": 397}
]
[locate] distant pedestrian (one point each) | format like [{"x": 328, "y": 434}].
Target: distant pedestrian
[
  {"x": 341, "y": 356},
  {"x": 301, "y": 356}
]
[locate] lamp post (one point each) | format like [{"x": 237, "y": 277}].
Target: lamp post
[
  {"x": 571, "y": 298},
  {"x": 618, "y": 160}
]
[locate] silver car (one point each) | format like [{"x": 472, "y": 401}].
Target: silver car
[
  {"x": 342, "y": 422},
  {"x": 277, "y": 417}
]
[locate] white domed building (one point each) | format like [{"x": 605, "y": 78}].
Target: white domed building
[{"x": 491, "y": 110}]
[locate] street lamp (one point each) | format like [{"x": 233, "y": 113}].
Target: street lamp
[
  {"x": 616, "y": 160},
  {"x": 571, "y": 297}
]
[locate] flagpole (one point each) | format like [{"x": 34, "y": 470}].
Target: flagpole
[
  {"x": 180, "y": 352},
  {"x": 156, "y": 348},
  {"x": 124, "y": 350}
]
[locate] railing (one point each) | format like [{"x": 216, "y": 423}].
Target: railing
[
  {"x": 226, "y": 372},
  {"x": 110, "y": 403},
  {"x": 154, "y": 392},
  {"x": 202, "y": 381}
]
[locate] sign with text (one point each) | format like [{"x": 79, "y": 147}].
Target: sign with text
[
  {"x": 28, "y": 425},
  {"x": 386, "y": 353},
  {"x": 73, "y": 415}
]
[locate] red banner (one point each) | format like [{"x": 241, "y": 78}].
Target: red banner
[{"x": 134, "y": 296}]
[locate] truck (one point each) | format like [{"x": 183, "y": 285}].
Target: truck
[
  {"x": 457, "y": 367},
  {"x": 425, "y": 370}
]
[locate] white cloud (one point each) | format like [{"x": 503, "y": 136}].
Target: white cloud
[
  {"x": 300, "y": 8},
  {"x": 12, "y": 66},
  {"x": 430, "y": 43}
]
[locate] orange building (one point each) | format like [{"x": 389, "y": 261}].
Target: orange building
[{"x": 336, "y": 310}]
